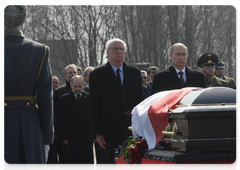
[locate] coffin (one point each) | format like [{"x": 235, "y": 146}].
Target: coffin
[{"x": 205, "y": 120}]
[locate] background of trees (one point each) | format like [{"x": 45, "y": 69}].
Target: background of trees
[{"x": 78, "y": 34}]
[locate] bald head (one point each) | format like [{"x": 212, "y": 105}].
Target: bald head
[{"x": 77, "y": 84}]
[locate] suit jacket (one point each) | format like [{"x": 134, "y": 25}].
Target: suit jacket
[
  {"x": 111, "y": 103},
  {"x": 22, "y": 59},
  {"x": 75, "y": 126},
  {"x": 168, "y": 80}
]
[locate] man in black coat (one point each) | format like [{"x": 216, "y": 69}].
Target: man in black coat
[
  {"x": 115, "y": 88},
  {"x": 75, "y": 125},
  {"x": 68, "y": 72},
  {"x": 178, "y": 75}
]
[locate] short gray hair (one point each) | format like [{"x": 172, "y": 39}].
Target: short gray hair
[
  {"x": 109, "y": 42},
  {"x": 86, "y": 69},
  {"x": 14, "y": 15}
]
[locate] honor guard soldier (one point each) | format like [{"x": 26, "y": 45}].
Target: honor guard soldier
[
  {"x": 207, "y": 62},
  {"x": 220, "y": 70},
  {"x": 28, "y": 116}
]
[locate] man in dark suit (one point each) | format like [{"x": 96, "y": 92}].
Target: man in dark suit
[
  {"x": 75, "y": 125},
  {"x": 178, "y": 75},
  {"x": 152, "y": 70},
  {"x": 28, "y": 116},
  {"x": 68, "y": 72},
  {"x": 115, "y": 88},
  {"x": 146, "y": 87},
  {"x": 86, "y": 74}
]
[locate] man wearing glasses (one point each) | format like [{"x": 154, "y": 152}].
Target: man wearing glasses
[
  {"x": 115, "y": 88},
  {"x": 68, "y": 72},
  {"x": 146, "y": 87}
]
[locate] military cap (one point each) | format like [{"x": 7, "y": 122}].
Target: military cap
[
  {"x": 207, "y": 59},
  {"x": 220, "y": 65},
  {"x": 14, "y": 15}
]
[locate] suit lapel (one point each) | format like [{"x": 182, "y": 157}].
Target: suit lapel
[
  {"x": 172, "y": 74},
  {"x": 110, "y": 72},
  {"x": 127, "y": 74},
  {"x": 189, "y": 75},
  {"x": 71, "y": 95}
]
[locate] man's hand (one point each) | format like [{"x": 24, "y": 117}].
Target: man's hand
[
  {"x": 101, "y": 141},
  {"x": 65, "y": 141}
]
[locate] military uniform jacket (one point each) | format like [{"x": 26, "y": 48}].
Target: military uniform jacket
[
  {"x": 168, "y": 80},
  {"x": 216, "y": 82},
  {"x": 231, "y": 81},
  {"x": 22, "y": 59}
]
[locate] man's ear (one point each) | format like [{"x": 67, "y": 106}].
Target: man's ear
[{"x": 170, "y": 55}]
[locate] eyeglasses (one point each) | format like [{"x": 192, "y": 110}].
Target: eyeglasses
[
  {"x": 70, "y": 72},
  {"x": 116, "y": 49}
]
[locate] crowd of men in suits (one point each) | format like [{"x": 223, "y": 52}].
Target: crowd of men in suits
[{"x": 113, "y": 94}]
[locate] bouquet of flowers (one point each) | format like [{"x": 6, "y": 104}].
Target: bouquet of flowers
[{"x": 133, "y": 152}]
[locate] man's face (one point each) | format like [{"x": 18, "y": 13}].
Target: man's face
[
  {"x": 79, "y": 72},
  {"x": 220, "y": 72},
  {"x": 55, "y": 83},
  {"x": 209, "y": 70},
  {"x": 77, "y": 86},
  {"x": 179, "y": 57},
  {"x": 116, "y": 52},
  {"x": 70, "y": 72},
  {"x": 144, "y": 78},
  {"x": 152, "y": 73},
  {"x": 86, "y": 78}
]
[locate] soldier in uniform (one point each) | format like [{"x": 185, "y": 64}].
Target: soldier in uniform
[
  {"x": 220, "y": 70},
  {"x": 207, "y": 62},
  {"x": 28, "y": 116}
]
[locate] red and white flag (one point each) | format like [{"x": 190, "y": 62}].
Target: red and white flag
[{"x": 150, "y": 118}]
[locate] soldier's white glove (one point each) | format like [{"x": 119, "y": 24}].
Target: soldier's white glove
[{"x": 47, "y": 148}]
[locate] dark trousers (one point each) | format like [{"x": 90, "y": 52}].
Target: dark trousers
[{"x": 55, "y": 152}]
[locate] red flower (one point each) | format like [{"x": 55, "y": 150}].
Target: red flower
[{"x": 144, "y": 143}]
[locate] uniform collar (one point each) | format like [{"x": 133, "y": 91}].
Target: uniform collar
[{"x": 14, "y": 32}]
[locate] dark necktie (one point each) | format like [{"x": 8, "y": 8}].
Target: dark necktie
[
  {"x": 118, "y": 76},
  {"x": 181, "y": 77},
  {"x": 78, "y": 96}
]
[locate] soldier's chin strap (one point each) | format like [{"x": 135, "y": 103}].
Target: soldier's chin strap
[{"x": 42, "y": 62}]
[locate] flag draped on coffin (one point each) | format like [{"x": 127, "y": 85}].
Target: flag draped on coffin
[{"x": 150, "y": 118}]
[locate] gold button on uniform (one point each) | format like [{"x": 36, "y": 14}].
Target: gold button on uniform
[
  {"x": 5, "y": 104},
  {"x": 28, "y": 104}
]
